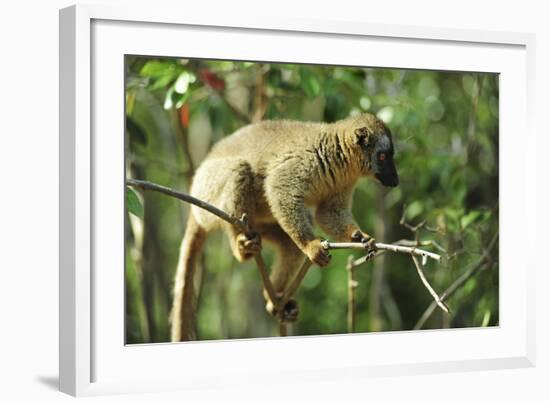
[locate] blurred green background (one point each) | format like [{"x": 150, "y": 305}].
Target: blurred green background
[{"x": 445, "y": 129}]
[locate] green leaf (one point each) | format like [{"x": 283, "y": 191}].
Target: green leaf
[
  {"x": 161, "y": 73},
  {"x": 413, "y": 210},
  {"x": 162, "y": 82},
  {"x": 133, "y": 203},
  {"x": 470, "y": 218},
  {"x": 182, "y": 99},
  {"x": 156, "y": 69}
]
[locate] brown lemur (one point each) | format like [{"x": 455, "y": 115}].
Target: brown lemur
[{"x": 284, "y": 175}]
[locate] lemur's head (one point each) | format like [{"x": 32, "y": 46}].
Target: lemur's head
[{"x": 375, "y": 140}]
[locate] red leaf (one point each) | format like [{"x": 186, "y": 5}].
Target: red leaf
[
  {"x": 184, "y": 115},
  {"x": 211, "y": 79}
]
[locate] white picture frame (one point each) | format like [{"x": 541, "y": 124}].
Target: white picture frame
[{"x": 93, "y": 357}]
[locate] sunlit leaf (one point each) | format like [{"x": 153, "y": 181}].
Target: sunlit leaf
[
  {"x": 470, "y": 218},
  {"x": 182, "y": 83},
  {"x": 414, "y": 209},
  {"x": 156, "y": 68}
]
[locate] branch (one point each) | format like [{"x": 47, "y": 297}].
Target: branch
[
  {"x": 146, "y": 185},
  {"x": 458, "y": 283},
  {"x": 293, "y": 287},
  {"x": 417, "y": 227},
  {"x": 352, "y": 286},
  {"x": 379, "y": 248},
  {"x": 428, "y": 286},
  {"x": 411, "y": 250},
  {"x": 408, "y": 242}
]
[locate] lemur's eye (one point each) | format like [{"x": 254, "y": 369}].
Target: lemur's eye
[{"x": 381, "y": 156}]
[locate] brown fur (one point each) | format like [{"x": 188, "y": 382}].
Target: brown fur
[{"x": 281, "y": 174}]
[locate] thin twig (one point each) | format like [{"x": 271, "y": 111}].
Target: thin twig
[
  {"x": 408, "y": 242},
  {"x": 387, "y": 247},
  {"x": 363, "y": 259},
  {"x": 458, "y": 283},
  {"x": 296, "y": 282},
  {"x": 432, "y": 292},
  {"x": 146, "y": 185},
  {"x": 266, "y": 281},
  {"x": 289, "y": 292},
  {"x": 417, "y": 227},
  {"x": 352, "y": 285}
]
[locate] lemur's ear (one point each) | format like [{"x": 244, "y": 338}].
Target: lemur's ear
[{"x": 361, "y": 135}]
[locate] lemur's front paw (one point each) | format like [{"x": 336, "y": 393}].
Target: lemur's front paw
[
  {"x": 317, "y": 253},
  {"x": 360, "y": 236},
  {"x": 248, "y": 245}
]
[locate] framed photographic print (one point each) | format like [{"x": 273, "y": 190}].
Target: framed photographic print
[{"x": 273, "y": 199}]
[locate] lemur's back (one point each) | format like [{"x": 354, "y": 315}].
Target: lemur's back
[{"x": 258, "y": 141}]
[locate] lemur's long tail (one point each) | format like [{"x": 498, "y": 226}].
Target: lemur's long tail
[{"x": 182, "y": 316}]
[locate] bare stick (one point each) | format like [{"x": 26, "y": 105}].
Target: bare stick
[
  {"x": 363, "y": 259},
  {"x": 260, "y": 263},
  {"x": 408, "y": 242},
  {"x": 296, "y": 282},
  {"x": 436, "y": 297},
  {"x": 352, "y": 285},
  {"x": 411, "y": 250},
  {"x": 417, "y": 227},
  {"x": 289, "y": 293},
  {"x": 458, "y": 283},
  {"x": 146, "y": 185},
  {"x": 265, "y": 278}
]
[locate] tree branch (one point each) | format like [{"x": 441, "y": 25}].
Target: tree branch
[
  {"x": 146, "y": 185},
  {"x": 293, "y": 287},
  {"x": 352, "y": 285},
  {"x": 379, "y": 248},
  {"x": 411, "y": 250},
  {"x": 432, "y": 292},
  {"x": 458, "y": 283}
]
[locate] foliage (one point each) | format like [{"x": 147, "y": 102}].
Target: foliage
[
  {"x": 445, "y": 128},
  {"x": 133, "y": 204}
]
